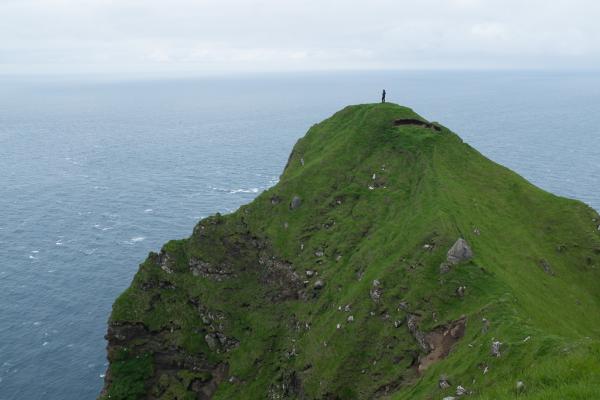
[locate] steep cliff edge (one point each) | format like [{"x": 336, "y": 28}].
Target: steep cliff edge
[{"x": 392, "y": 261}]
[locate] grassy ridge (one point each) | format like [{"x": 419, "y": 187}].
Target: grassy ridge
[{"x": 381, "y": 202}]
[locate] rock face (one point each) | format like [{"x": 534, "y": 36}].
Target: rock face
[
  {"x": 166, "y": 363},
  {"x": 336, "y": 295},
  {"x": 209, "y": 271}
]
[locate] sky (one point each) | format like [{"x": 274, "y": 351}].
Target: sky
[{"x": 223, "y": 36}]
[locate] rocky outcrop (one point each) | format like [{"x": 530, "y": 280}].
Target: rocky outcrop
[
  {"x": 283, "y": 281},
  {"x": 417, "y": 122},
  {"x": 131, "y": 342},
  {"x": 440, "y": 342},
  {"x": 209, "y": 271},
  {"x": 412, "y": 322}
]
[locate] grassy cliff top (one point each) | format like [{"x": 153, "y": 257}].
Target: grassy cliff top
[{"x": 337, "y": 283}]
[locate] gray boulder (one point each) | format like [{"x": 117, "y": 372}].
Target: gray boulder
[
  {"x": 295, "y": 203},
  {"x": 459, "y": 252}
]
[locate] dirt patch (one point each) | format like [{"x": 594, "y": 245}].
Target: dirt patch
[
  {"x": 418, "y": 122},
  {"x": 440, "y": 342}
]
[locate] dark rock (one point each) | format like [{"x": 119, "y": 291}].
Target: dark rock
[
  {"x": 217, "y": 341},
  {"x": 418, "y": 122},
  {"x": 545, "y": 266},
  {"x": 283, "y": 282}
]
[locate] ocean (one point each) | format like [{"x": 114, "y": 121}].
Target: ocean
[{"x": 97, "y": 172}]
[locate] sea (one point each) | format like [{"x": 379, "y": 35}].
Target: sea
[{"x": 97, "y": 171}]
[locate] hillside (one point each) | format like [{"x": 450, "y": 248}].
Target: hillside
[{"x": 391, "y": 261}]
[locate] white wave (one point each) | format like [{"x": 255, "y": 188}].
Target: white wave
[
  {"x": 148, "y": 210},
  {"x": 234, "y": 191},
  {"x": 101, "y": 228},
  {"x": 137, "y": 239},
  {"x": 252, "y": 190},
  {"x": 59, "y": 242},
  {"x": 45, "y": 344},
  {"x": 32, "y": 257}
]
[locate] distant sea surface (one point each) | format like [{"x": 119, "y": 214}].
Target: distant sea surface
[{"x": 95, "y": 174}]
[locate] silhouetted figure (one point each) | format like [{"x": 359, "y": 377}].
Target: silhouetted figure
[{"x": 383, "y": 96}]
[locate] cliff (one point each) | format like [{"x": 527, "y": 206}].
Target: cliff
[{"x": 391, "y": 260}]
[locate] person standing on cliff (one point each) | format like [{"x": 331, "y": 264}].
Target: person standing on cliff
[{"x": 383, "y": 96}]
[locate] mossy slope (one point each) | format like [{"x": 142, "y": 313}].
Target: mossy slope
[{"x": 233, "y": 312}]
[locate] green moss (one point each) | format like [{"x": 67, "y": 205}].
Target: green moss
[{"x": 129, "y": 374}]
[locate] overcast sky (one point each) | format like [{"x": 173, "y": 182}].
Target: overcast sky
[{"x": 208, "y": 36}]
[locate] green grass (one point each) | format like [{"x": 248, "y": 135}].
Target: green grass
[
  {"x": 129, "y": 374},
  {"x": 398, "y": 188}
]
